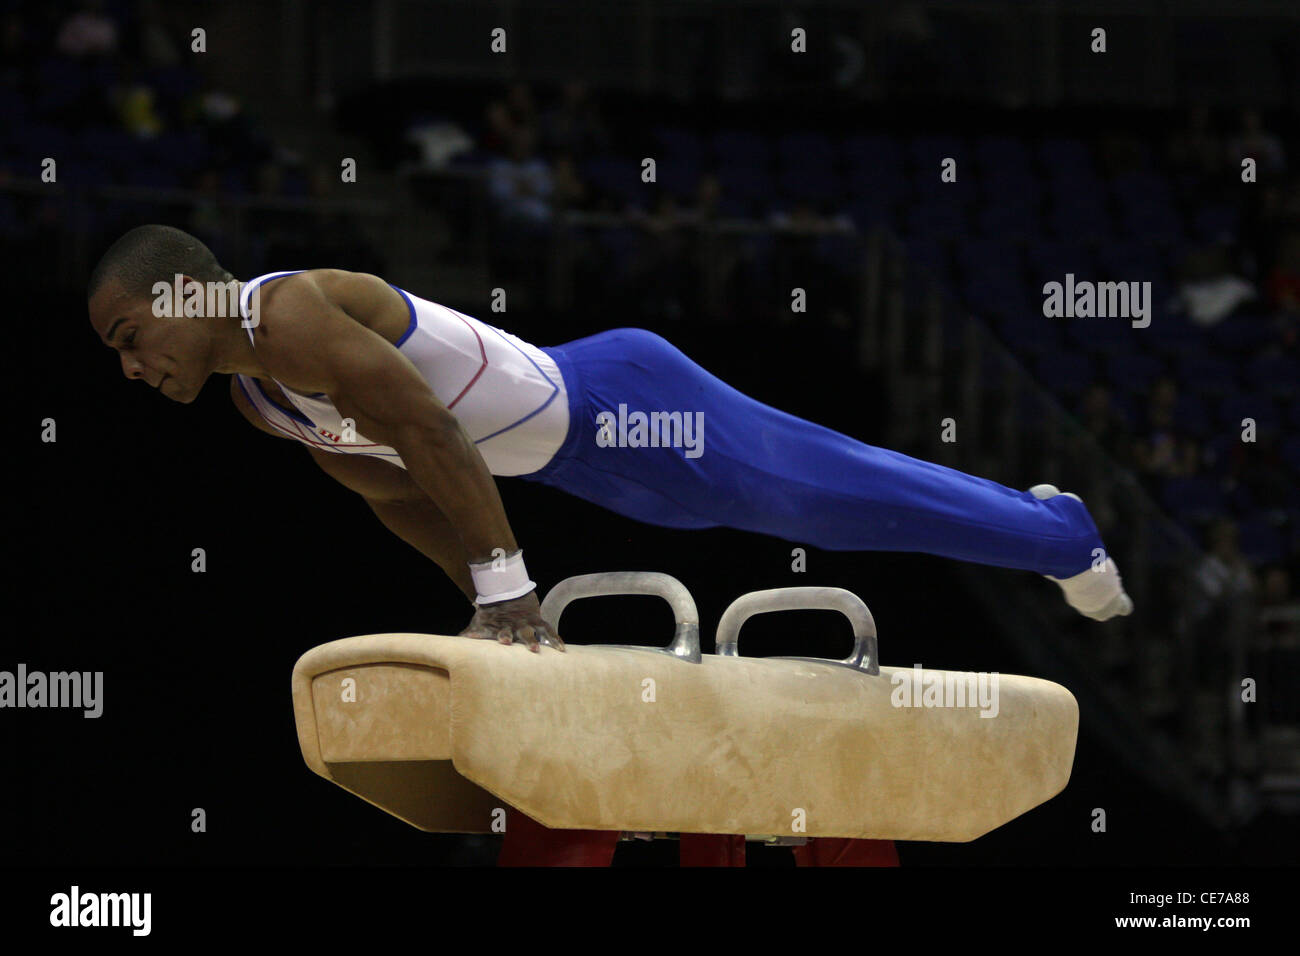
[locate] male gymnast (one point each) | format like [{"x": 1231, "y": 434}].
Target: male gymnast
[{"x": 440, "y": 402}]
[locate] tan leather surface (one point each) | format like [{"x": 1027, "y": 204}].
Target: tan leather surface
[{"x": 730, "y": 745}]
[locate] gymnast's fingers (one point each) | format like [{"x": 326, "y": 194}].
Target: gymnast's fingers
[{"x": 526, "y": 634}]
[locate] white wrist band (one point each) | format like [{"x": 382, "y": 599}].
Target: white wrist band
[{"x": 501, "y": 579}]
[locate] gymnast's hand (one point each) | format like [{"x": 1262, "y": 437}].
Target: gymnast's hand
[{"x": 510, "y": 621}]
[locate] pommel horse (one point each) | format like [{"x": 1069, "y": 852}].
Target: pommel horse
[{"x": 454, "y": 735}]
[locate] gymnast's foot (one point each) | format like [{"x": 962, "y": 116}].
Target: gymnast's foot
[{"x": 1098, "y": 594}]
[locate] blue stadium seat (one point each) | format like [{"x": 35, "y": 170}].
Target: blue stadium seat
[
  {"x": 1101, "y": 335},
  {"x": 1015, "y": 218},
  {"x": 1291, "y": 452},
  {"x": 615, "y": 175},
  {"x": 1173, "y": 336},
  {"x": 85, "y": 172},
  {"x": 934, "y": 218},
  {"x": 1130, "y": 260},
  {"x": 1141, "y": 189},
  {"x": 873, "y": 151},
  {"x": 746, "y": 182},
  {"x": 1133, "y": 371},
  {"x": 869, "y": 211},
  {"x": 1205, "y": 375},
  {"x": 1152, "y": 222},
  {"x": 620, "y": 243},
  {"x": 927, "y": 152},
  {"x": 1262, "y": 408},
  {"x": 1050, "y": 261},
  {"x": 989, "y": 257},
  {"x": 679, "y": 178},
  {"x": 813, "y": 185},
  {"x": 154, "y": 176},
  {"x": 1064, "y": 372},
  {"x": 734, "y": 147},
  {"x": 1003, "y": 155},
  {"x": 1276, "y": 375},
  {"x": 1003, "y": 186},
  {"x": 1197, "y": 498},
  {"x": 929, "y": 253},
  {"x": 680, "y": 144},
  {"x": 1216, "y": 223},
  {"x": 234, "y": 182},
  {"x": 735, "y": 207},
  {"x": 807, "y": 149},
  {"x": 1077, "y": 214},
  {"x": 1218, "y": 450},
  {"x": 1192, "y": 416},
  {"x": 1242, "y": 333},
  {"x": 1260, "y": 541},
  {"x": 1024, "y": 330},
  {"x": 1067, "y": 158},
  {"x": 871, "y": 183},
  {"x": 11, "y": 223}
]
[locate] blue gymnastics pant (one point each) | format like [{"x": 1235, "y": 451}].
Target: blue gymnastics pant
[{"x": 758, "y": 469}]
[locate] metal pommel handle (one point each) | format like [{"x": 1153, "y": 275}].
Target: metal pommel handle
[
  {"x": 686, "y": 639},
  {"x": 866, "y": 652}
]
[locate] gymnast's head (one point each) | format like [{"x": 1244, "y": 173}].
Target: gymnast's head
[{"x": 172, "y": 344}]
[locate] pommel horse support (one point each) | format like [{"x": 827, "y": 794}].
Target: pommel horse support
[{"x": 444, "y": 732}]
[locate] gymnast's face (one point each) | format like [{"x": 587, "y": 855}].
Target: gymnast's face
[{"x": 167, "y": 353}]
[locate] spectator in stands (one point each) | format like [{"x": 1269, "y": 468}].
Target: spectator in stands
[
  {"x": 1106, "y": 423},
  {"x": 1162, "y": 451},
  {"x": 912, "y": 63},
  {"x": 659, "y": 274},
  {"x": 88, "y": 32},
  {"x": 1282, "y": 290},
  {"x": 803, "y": 219},
  {"x": 521, "y": 185},
  {"x": 334, "y": 235},
  {"x": 498, "y": 128},
  {"x": 1208, "y": 289},
  {"x": 574, "y": 125},
  {"x": 207, "y": 220},
  {"x": 1257, "y": 143},
  {"x": 274, "y": 230},
  {"x": 1279, "y": 610},
  {"x": 1284, "y": 280},
  {"x": 708, "y": 198},
  {"x": 1196, "y": 152},
  {"x": 235, "y": 142},
  {"x": 507, "y": 116},
  {"x": 804, "y": 254},
  {"x": 152, "y": 38},
  {"x": 1264, "y": 471},
  {"x": 570, "y": 191},
  {"x": 136, "y": 105},
  {"x": 17, "y": 51},
  {"x": 523, "y": 108},
  {"x": 1223, "y": 574},
  {"x": 1119, "y": 152}
]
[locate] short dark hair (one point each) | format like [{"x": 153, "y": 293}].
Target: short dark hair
[{"x": 153, "y": 253}]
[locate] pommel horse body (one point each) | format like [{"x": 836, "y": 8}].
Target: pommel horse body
[{"x": 451, "y": 734}]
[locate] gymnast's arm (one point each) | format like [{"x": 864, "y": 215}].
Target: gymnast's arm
[
  {"x": 404, "y": 509},
  {"x": 307, "y": 341},
  {"x": 392, "y": 495}
]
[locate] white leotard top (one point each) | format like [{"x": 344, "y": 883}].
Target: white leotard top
[{"x": 508, "y": 395}]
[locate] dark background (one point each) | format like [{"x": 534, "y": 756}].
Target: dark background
[{"x": 197, "y": 705}]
